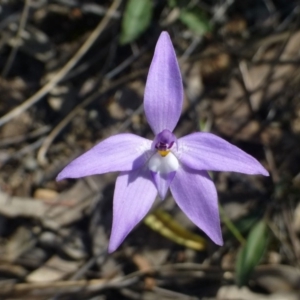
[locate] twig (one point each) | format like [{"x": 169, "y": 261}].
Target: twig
[
  {"x": 272, "y": 164},
  {"x": 82, "y": 270},
  {"x": 17, "y": 39},
  {"x": 292, "y": 234},
  {"x": 124, "y": 64},
  {"x": 191, "y": 48},
  {"x": 21, "y": 138},
  {"x": 283, "y": 242},
  {"x": 99, "y": 10},
  {"x": 25, "y": 150},
  {"x": 287, "y": 21},
  {"x": 220, "y": 10},
  {"x": 161, "y": 292},
  {"x": 128, "y": 121},
  {"x": 64, "y": 287},
  {"x": 68, "y": 66},
  {"x": 248, "y": 85}
]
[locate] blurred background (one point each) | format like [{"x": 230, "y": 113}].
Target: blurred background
[{"x": 73, "y": 73}]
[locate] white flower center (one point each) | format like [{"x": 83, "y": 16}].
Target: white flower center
[{"x": 163, "y": 164}]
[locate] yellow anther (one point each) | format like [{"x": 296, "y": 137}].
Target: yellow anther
[{"x": 163, "y": 153}]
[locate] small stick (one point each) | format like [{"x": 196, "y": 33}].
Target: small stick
[{"x": 17, "y": 39}]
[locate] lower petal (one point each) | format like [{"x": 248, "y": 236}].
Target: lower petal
[
  {"x": 196, "y": 195},
  {"x": 162, "y": 182},
  {"x": 134, "y": 195}
]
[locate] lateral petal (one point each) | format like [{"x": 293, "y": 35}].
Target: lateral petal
[
  {"x": 164, "y": 90},
  {"x": 206, "y": 151},
  {"x": 134, "y": 195},
  {"x": 122, "y": 152},
  {"x": 196, "y": 195}
]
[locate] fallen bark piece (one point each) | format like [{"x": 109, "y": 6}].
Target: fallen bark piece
[
  {"x": 50, "y": 288},
  {"x": 54, "y": 269},
  {"x": 68, "y": 208},
  {"x": 234, "y": 292}
]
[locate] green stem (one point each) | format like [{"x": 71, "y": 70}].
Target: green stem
[{"x": 231, "y": 227}]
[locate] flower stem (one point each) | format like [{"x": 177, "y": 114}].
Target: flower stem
[{"x": 231, "y": 227}]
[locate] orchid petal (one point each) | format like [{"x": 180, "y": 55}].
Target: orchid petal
[
  {"x": 122, "y": 152},
  {"x": 162, "y": 182},
  {"x": 134, "y": 195},
  {"x": 206, "y": 151},
  {"x": 164, "y": 90},
  {"x": 196, "y": 195}
]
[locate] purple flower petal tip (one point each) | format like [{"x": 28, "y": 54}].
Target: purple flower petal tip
[
  {"x": 265, "y": 172},
  {"x": 60, "y": 176},
  {"x": 162, "y": 183},
  {"x": 219, "y": 242}
]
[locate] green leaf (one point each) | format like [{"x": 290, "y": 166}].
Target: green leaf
[
  {"x": 178, "y": 3},
  {"x": 195, "y": 20},
  {"x": 251, "y": 253},
  {"x": 136, "y": 19},
  {"x": 172, "y": 3},
  {"x": 245, "y": 224}
]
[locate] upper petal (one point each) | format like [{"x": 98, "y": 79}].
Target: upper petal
[
  {"x": 134, "y": 195},
  {"x": 122, "y": 152},
  {"x": 196, "y": 195},
  {"x": 206, "y": 151},
  {"x": 164, "y": 91}
]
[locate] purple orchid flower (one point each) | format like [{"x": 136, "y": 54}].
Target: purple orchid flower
[{"x": 149, "y": 167}]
